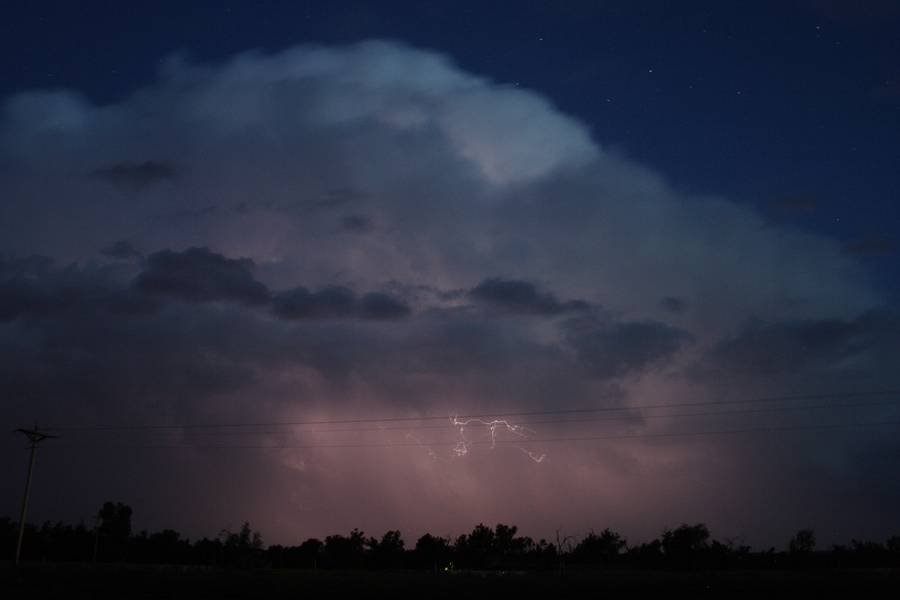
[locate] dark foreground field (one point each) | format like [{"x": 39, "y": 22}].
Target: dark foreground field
[{"x": 146, "y": 582}]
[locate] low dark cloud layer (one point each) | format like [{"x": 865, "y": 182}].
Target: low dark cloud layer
[
  {"x": 522, "y": 297},
  {"x": 198, "y": 275},
  {"x": 36, "y": 287},
  {"x": 673, "y": 304},
  {"x": 356, "y": 224},
  {"x": 330, "y": 302},
  {"x": 336, "y": 302},
  {"x": 615, "y": 349},
  {"x": 811, "y": 348},
  {"x": 376, "y": 305},
  {"x": 121, "y": 250}
]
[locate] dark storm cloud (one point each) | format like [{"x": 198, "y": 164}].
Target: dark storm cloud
[
  {"x": 673, "y": 304},
  {"x": 36, "y": 287},
  {"x": 868, "y": 343},
  {"x": 413, "y": 293},
  {"x": 356, "y": 224},
  {"x": 196, "y": 213},
  {"x": 84, "y": 365},
  {"x": 100, "y": 340},
  {"x": 110, "y": 366},
  {"x": 609, "y": 349},
  {"x": 460, "y": 343},
  {"x": 136, "y": 175},
  {"x": 376, "y": 305},
  {"x": 24, "y": 290},
  {"x": 20, "y": 297},
  {"x": 521, "y": 297},
  {"x": 198, "y": 275},
  {"x": 328, "y": 303},
  {"x": 121, "y": 250},
  {"x": 338, "y": 197},
  {"x": 86, "y": 326},
  {"x": 335, "y": 302}
]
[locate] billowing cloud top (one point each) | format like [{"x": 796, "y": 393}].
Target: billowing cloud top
[{"x": 326, "y": 232}]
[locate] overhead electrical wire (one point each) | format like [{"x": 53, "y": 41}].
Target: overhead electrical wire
[
  {"x": 416, "y": 423},
  {"x": 413, "y": 419},
  {"x": 588, "y": 420},
  {"x": 662, "y": 435}
]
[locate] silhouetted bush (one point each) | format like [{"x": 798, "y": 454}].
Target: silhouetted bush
[
  {"x": 345, "y": 552},
  {"x": 647, "y": 555},
  {"x": 686, "y": 545},
  {"x": 113, "y": 532},
  {"x": 499, "y": 548},
  {"x": 603, "y": 549},
  {"x": 432, "y": 553},
  {"x": 305, "y": 556},
  {"x": 803, "y": 542},
  {"x": 243, "y": 549},
  {"x": 387, "y": 553}
]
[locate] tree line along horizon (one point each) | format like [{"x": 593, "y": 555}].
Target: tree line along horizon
[{"x": 112, "y": 540}]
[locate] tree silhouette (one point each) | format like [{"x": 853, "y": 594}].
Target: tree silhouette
[
  {"x": 345, "y": 552},
  {"x": 803, "y": 542},
  {"x": 646, "y": 555},
  {"x": 599, "y": 549},
  {"x": 474, "y": 550},
  {"x": 311, "y": 552},
  {"x": 893, "y": 545},
  {"x": 685, "y": 544},
  {"x": 498, "y": 548},
  {"x": 113, "y": 531},
  {"x": 242, "y": 549},
  {"x": 389, "y": 552},
  {"x": 432, "y": 553}
]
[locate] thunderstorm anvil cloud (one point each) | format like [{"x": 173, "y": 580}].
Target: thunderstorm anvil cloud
[{"x": 369, "y": 230}]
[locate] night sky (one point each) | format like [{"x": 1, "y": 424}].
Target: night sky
[{"x": 659, "y": 243}]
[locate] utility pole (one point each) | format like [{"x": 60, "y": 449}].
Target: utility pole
[{"x": 35, "y": 436}]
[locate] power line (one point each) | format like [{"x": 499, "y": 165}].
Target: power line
[
  {"x": 675, "y": 434},
  {"x": 572, "y": 411},
  {"x": 613, "y": 419}
]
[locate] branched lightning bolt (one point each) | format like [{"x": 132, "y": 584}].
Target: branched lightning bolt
[
  {"x": 462, "y": 445},
  {"x": 538, "y": 458}
]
